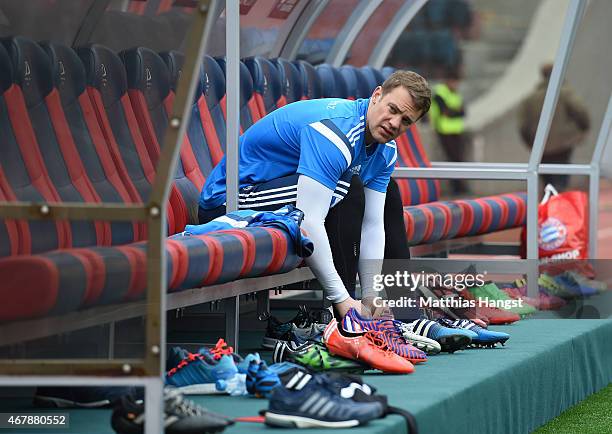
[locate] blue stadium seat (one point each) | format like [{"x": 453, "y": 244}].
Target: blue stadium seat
[
  {"x": 437, "y": 13},
  {"x": 334, "y": 85},
  {"x": 387, "y": 71},
  {"x": 249, "y": 113},
  {"x": 311, "y": 85},
  {"x": 108, "y": 89},
  {"x": 17, "y": 237},
  {"x": 38, "y": 152},
  {"x": 373, "y": 77},
  {"x": 195, "y": 155},
  {"x": 69, "y": 77},
  {"x": 444, "y": 49},
  {"x": 174, "y": 62},
  {"x": 355, "y": 82},
  {"x": 291, "y": 80},
  {"x": 266, "y": 84},
  {"x": 149, "y": 89},
  {"x": 212, "y": 107}
]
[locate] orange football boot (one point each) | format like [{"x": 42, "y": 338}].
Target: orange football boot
[{"x": 368, "y": 348}]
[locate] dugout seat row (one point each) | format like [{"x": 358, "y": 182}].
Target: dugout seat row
[{"x": 86, "y": 126}]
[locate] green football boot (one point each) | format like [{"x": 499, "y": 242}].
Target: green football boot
[
  {"x": 315, "y": 356},
  {"x": 499, "y": 299}
]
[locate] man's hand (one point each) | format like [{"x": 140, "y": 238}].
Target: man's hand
[
  {"x": 376, "y": 312},
  {"x": 365, "y": 308},
  {"x": 340, "y": 309}
]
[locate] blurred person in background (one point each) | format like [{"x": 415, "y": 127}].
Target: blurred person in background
[
  {"x": 569, "y": 127},
  {"x": 447, "y": 116}
]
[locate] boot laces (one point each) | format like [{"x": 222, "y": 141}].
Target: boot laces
[
  {"x": 191, "y": 357},
  {"x": 221, "y": 348}
]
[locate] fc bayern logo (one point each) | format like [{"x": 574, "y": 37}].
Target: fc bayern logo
[{"x": 553, "y": 234}]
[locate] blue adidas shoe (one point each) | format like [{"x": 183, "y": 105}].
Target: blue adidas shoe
[
  {"x": 198, "y": 374},
  {"x": 282, "y": 368},
  {"x": 571, "y": 284},
  {"x": 484, "y": 337},
  {"x": 243, "y": 363},
  {"x": 450, "y": 339},
  {"x": 312, "y": 333},
  {"x": 175, "y": 356},
  {"x": 307, "y": 401},
  {"x": 221, "y": 349},
  {"x": 260, "y": 380}
]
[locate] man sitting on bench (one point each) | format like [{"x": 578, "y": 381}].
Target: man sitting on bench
[{"x": 307, "y": 153}]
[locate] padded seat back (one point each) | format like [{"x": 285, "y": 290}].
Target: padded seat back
[
  {"x": 429, "y": 188},
  {"x": 16, "y": 180},
  {"x": 311, "y": 84},
  {"x": 334, "y": 85},
  {"x": 174, "y": 62},
  {"x": 149, "y": 88},
  {"x": 92, "y": 150},
  {"x": 249, "y": 113},
  {"x": 387, "y": 71},
  {"x": 211, "y": 100},
  {"x": 291, "y": 80},
  {"x": 373, "y": 77},
  {"x": 107, "y": 88},
  {"x": 33, "y": 163},
  {"x": 195, "y": 155},
  {"x": 148, "y": 84},
  {"x": 266, "y": 84},
  {"x": 9, "y": 229},
  {"x": 355, "y": 82}
]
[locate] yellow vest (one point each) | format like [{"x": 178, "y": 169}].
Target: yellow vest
[{"x": 447, "y": 123}]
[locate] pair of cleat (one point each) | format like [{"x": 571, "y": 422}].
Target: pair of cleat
[
  {"x": 569, "y": 285},
  {"x": 310, "y": 400},
  {"x": 180, "y": 416},
  {"x": 453, "y": 335},
  {"x": 208, "y": 370},
  {"x": 427, "y": 335},
  {"x": 315, "y": 356},
  {"x": 261, "y": 380},
  {"x": 389, "y": 330},
  {"x": 369, "y": 347},
  {"x": 305, "y": 326}
]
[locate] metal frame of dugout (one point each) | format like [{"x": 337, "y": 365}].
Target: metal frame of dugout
[{"x": 148, "y": 372}]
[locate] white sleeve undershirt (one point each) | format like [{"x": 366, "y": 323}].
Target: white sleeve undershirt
[
  {"x": 313, "y": 199},
  {"x": 372, "y": 248}
]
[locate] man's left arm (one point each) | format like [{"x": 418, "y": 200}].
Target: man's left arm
[{"x": 372, "y": 248}]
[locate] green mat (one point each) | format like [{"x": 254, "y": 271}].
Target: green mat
[{"x": 546, "y": 367}]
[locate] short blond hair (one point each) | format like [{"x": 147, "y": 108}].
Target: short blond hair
[{"x": 415, "y": 84}]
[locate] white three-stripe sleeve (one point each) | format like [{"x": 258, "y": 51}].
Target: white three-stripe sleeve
[{"x": 326, "y": 132}]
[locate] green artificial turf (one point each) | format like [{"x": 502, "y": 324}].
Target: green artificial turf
[{"x": 591, "y": 416}]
